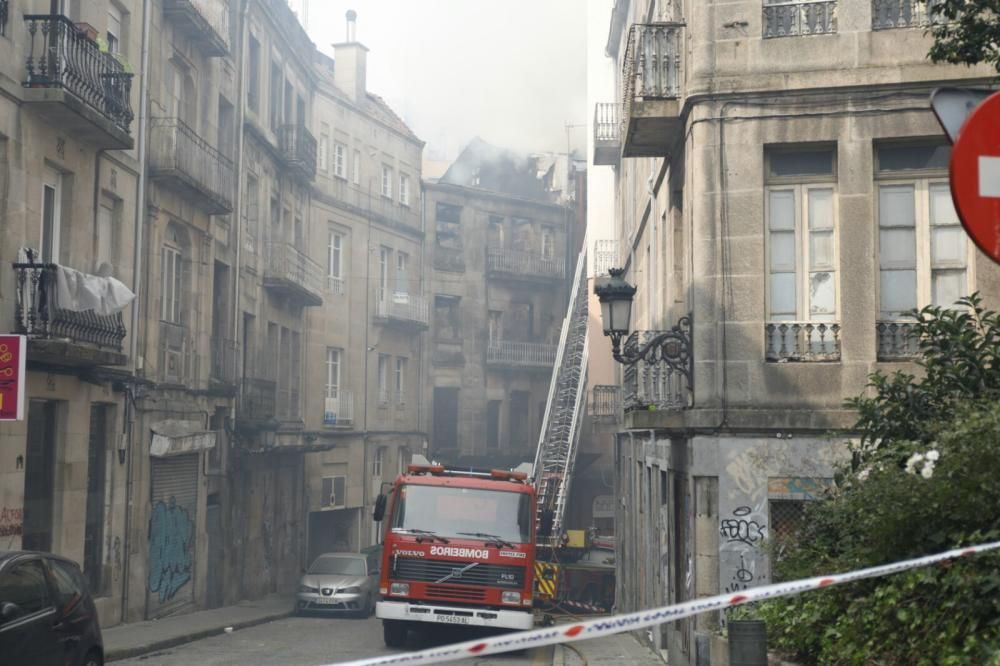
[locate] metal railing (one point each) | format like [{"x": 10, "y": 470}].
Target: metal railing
[
  {"x": 802, "y": 341},
  {"x": 896, "y": 340},
  {"x": 402, "y": 306},
  {"x": 258, "y": 399},
  {"x": 651, "y": 68},
  {"x": 289, "y": 263},
  {"x": 890, "y": 14},
  {"x": 298, "y": 149},
  {"x": 800, "y": 17},
  {"x": 518, "y": 262},
  {"x": 526, "y": 354},
  {"x": 212, "y": 15},
  {"x": 224, "y": 355},
  {"x": 660, "y": 383},
  {"x": 339, "y": 409},
  {"x": 605, "y": 401},
  {"x": 335, "y": 284},
  {"x": 39, "y": 316},
  {"x": 606, "y": 122},
  {"x": 176, "y": 149},
  {"x": 62, "y": 56},
  {"x": 605, "y": 257}
]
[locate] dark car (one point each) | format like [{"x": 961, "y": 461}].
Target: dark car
[{"x": 46, "y": 613}]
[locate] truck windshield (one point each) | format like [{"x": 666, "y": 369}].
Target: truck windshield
[{"x": 449, "y": 512}]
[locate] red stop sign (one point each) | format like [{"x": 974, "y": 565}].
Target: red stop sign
[{"x": 975, "y": 176}]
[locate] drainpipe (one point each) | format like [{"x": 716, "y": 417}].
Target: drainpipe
[{"x": 140, "y": 220}]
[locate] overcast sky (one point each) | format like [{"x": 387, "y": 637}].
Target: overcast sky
[{"x": 512, "y": 72}]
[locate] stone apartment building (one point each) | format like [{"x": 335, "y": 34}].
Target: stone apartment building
[
  {"x": 502, "y": 256},
  {"x": 782, "y": 199}
]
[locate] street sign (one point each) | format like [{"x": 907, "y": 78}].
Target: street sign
[
  {"x": 952, "y": 106},
  {"x": 12, "y": 379},
  {"x": 975, "y": 176}
]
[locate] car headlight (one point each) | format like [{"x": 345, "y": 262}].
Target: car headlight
[
  {"x": 350, "y": 590},
  {"x": 509, "y": 597},
  {"x": 400, "y": 589},
  {"x": 305, "y": 589}
]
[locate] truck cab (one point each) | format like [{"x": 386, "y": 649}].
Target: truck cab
[{"x": 458, "y": 548}]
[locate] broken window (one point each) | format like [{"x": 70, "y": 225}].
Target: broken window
[
  {"x": 447, "y": 325},
  {"x": 448, "y": 219}
]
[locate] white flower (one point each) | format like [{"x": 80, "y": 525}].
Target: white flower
[
  {"x": 928, "y": 470},
  {"x": 933, "y": 455},
  {"x": 911, "y": 464},
  {"x": 863, "y": 474}
]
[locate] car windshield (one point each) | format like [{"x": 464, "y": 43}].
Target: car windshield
[
  {"x": 333, "y": 565},
  {"x": 450, "y": 512}
]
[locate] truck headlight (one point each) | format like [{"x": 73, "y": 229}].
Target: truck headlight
[
  {"x": 400, "y": 589},
  {"x": 511, "y": 597}
]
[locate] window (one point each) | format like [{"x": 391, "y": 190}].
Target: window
[
  {"x": 25, "y": 586},
  {"x": 924, "y": 255},
  {"x": 383, "y": 379},
  {"x": 51, "y": 215},
  {"x": 250, "y": 215},
  {"x": 448, "y": 218},
  {"x": 802, "y": 256},
  {"x": 324, "y": 149},
  {"x": 334, "y": 262},
  {"x": 447, "y": 317},
  {"x": 333, "y": 357},
  {"x": 799, "y": 17},
  {"x": 253, "y": 74},
  {"x": 496, "y": 236},
  {"x": 402, "y": 273},
  {"x": 495, "y": 326},
  {"x": 334, "y": 492},
  {"x": 356, "y": 168},
  {"x": 400, "y": 381},
  {"x": 339, "y": 160},
  {"x": 68, "y": 584},
  {"x": 274, "y": 90},
  {"x": 386, "y": 181},
  {"x": 377, "y": 462},
  {"x": 404, "y": 189},
  {"x": 383, "y": 270},
  {"x": 548, "y": 243},
  {"x": 171, "y": 273},
  {"x": 114, "y": 29}
]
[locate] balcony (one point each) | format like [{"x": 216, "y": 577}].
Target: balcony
[
  {"x": 74, "y": 85},
  {"x": 606, "y": 403},
  {"x": 205, "y": 22},
  {"x": 663, "y": 379},
  {"x": 339, "y": 409},
  {"x": 891, "y": 14},
  {"x": 651, "y": 81},
  {"x": 605, "y": 257},
  {"x": 258, "y": 400},
  {"x": 807, "y": 341},
  {"x": 529, "y": 355},
  {"x": 298, "y": 151},
  {"x": 896, "y": 340},
  {"x": 799, "y": 18},
  {"x": 57, "y": 335},
  {"x": 289, "y": 273},
  {"x": 181, "y": 159},
  {"x": 522, "y": 265},
  {"x": 402, "y": 309},
  {"x": 607, "y": 140},
  {"x": 224, "y": 360}
]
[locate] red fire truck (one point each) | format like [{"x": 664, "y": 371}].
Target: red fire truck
[{"x": 458, "y": 548}]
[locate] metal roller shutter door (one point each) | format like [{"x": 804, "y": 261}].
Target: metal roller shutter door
[{"x": 172, "y": 532}]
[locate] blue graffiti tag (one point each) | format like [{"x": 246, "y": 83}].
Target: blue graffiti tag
[{"x": 171, "y": 546}]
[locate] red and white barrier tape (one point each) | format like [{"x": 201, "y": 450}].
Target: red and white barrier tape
[{"x": 631, "y": 621}]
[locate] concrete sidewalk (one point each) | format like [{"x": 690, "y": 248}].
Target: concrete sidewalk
[
  {"x": 617, "y": 650},
  {"x": 139, "y": 638}
]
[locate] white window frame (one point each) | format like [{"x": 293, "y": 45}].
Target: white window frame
[
  {"x": 402, "y": 273},
  {"x": 334, "y": 368},
  {"x": 324, "y": 149},
  {"x": 400, "y": 380},
  {"x": 53, "y": 180},
  {"x": 802, "y": 257},
  {"x": 404, "y": 189},
  {"x": 115, "y": 30},
  {"x": 325, "y": 501},
  {"x": 548, "y": 243},
  {"x": 339, "y": 160},
  {"x": 356, "y": 167},
  {"x": 383, "y": 379},
  {"x": 335, "y": 262},
  {"x": 922, "y": 237},
  {"x": 378, "y": 461},
  {"x": 386, "y": 181},
  {"x": 171, "y": 283}
]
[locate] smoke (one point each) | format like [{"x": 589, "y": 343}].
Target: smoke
[{"x": 512, "y": 72}]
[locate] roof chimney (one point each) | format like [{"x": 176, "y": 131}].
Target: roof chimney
[{"x": 351, "y": 62}]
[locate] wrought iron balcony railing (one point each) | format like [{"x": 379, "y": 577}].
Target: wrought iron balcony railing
[
  {"x": 298, "y": 150},
  {"x": 799, "y": 17},
  {"x": 205, "y": 21},
  {"x": 896, "y": 340},
  {"x": 651, "y": 89},
  {"x": 402, "y": 307},
  {"x": 523, "y": 264},
  {"x": 606, "y": 401},
  {"x": 338, "y": 410},
  {"x": 258, "y": 399},
  {"x": 605, "y": 257},
  {"x": 224, "y": 358},
  {"x": 62, "y": 56},
  {"x": 890, "y": 14},
  {"x": 802, "y": 341},
  {"x": 662, "y": 378},
  {"x": 38, "y": 315},
  {"x": 520, "y": 354},
  {"x": 289, "y": 269},
  {"x": 178, "y": 154}
]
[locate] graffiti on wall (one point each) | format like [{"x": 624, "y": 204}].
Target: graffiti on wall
[
  {"x": 11, "y": 521},
  {"x": 171, "y": 549},
  {"x": 742, "y": 527},
  {"x": 742, "y": 537}
]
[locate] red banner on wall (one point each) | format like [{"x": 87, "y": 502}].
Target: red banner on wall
[{"x": 12, "y": 379}]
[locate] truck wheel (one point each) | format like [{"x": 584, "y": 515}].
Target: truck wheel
[{"x": 393, "y": 633}]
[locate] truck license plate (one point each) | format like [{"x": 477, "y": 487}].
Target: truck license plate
[{"x": 452, "y": 619}]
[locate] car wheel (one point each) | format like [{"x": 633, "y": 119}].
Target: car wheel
[
  {"x": 393, "y": 633},
  {"x": 93, "y": 658}
]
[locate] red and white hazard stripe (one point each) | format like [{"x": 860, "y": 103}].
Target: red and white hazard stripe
[{"x": 631, "y": 621}]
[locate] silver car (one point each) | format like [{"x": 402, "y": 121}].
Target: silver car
[{"x": 341, "y": 583}]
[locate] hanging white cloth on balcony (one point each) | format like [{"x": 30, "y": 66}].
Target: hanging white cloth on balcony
[{"x": 78, "y": 292}]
